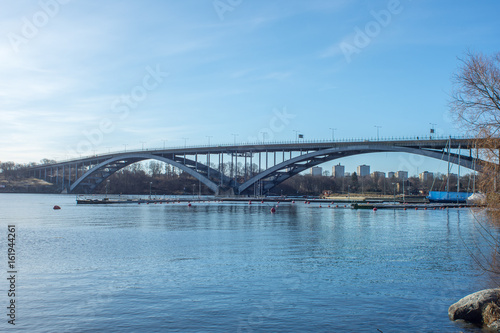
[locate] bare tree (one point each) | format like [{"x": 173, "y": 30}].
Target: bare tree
[
  {"x": 476, "y": 96},
  {"x": 476, "y": 105}
]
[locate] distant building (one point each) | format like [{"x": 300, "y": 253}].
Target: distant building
[
  {"x": 403, "y": 175},
  {"x": 391, "y": 174},
  {"x": 338, "y": 171},
  {"x": 316, "y": 171},
  {"x": 363, "y": 170},
  {"x": 425, "y": 176},
  {"x": 378, "y": 174}
]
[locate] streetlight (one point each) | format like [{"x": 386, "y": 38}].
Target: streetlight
[
  {"x": 143, "y": 145},
  {"x": 378, "y": 127},
  {"x": 150, "y": 183},
  {"x": 234, "y": 136},
  {"x": 394, "y": 185},
  {"x": 209, "y": 136},
  {"x": 263, "y": 136},
  {"x": 164, "y": 142},
  {"x": 125, "y": 146},
  {"x": 185, "y": 142},
  {"x": 333, "y": 133},
  {"x": 296, "y": 135}
]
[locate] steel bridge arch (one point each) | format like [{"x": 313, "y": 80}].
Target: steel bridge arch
[
  {"x": 296, "y": 164},
  {"x": 127, "y": 160}
]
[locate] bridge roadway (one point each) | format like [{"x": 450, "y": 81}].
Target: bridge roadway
[{"x": 248, "y": 168}]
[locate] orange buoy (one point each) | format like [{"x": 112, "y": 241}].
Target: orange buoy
[
  {"x": 56, "y": 207},
  {"x": 404, "y": 208},
  {"x": 273, "y": 210},
  {"x": 416, "y": 208},
  {"x": 374, "y": 209}
]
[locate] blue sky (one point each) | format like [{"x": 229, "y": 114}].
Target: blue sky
[{"x": 85, "y": 76}]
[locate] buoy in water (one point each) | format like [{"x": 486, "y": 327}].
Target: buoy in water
[
  {"x": 56, "y": 207},
  {"x": 189, "y": 204},
  {"x": 416, "y": 208},
  {"x": 374, "y": 209},
  {"x": 273, "y": 210},
  {"x": 250, "y": 202}
]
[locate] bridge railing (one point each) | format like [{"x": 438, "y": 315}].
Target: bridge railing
[{"x": 282, "y": 142}]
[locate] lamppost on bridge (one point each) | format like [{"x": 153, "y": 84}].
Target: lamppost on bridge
[
  {"x": 378, "y": 127},
  {"x": 296, "y": 135},
  {"x": 125, "y": 146},
  {"x": 333, "y": 133},
  {"x": 185, "y": 142},
  {"x": 164, "y": 143},
  {"x": 142, "y": 142},
  {"x": 263, "y": 137},
  {"x": 209, "y": 136},
  {"x": 234, "y": 136}
]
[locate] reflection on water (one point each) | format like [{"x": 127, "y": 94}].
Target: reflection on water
[{"x": 230, "y": 267}]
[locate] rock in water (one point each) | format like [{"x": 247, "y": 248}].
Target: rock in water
[{"x": 471, "y": 307}]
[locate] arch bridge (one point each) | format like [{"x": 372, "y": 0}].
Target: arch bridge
[{"x": 248, "y": 168}]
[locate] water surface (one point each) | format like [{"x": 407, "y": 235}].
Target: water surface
[{"x": 236, "y": 267}]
